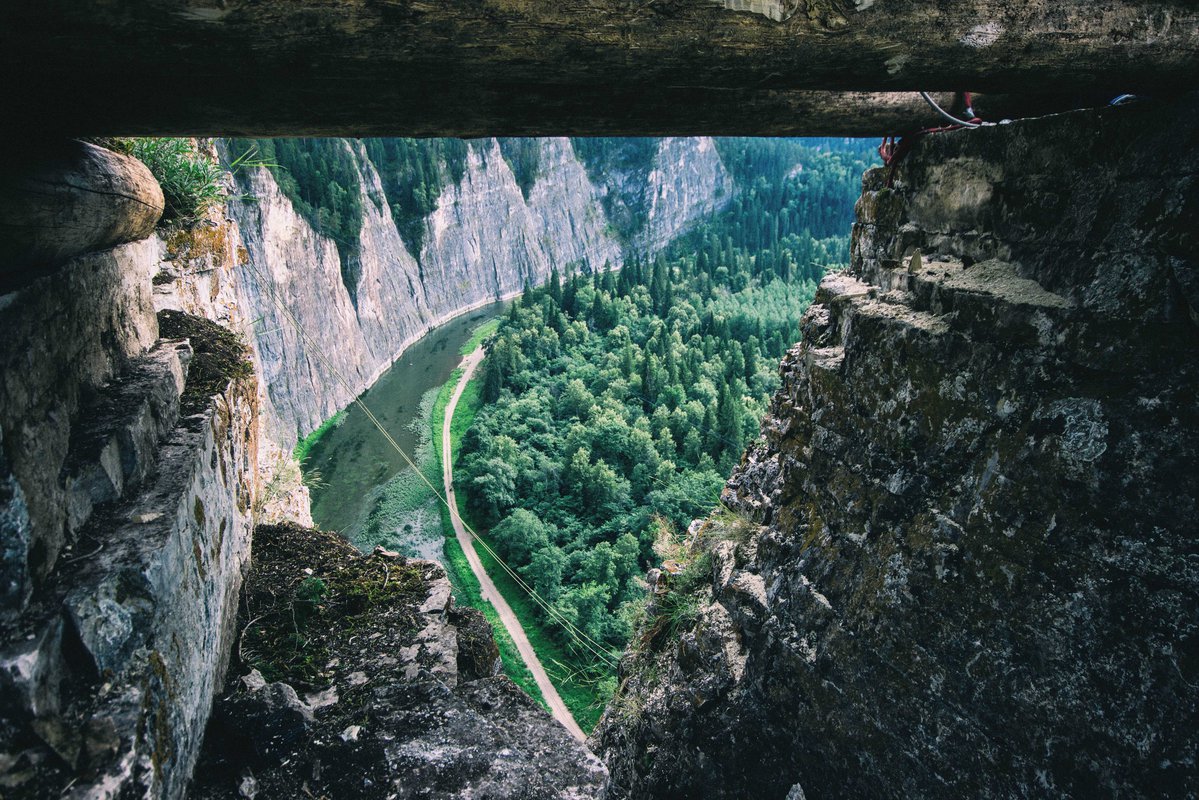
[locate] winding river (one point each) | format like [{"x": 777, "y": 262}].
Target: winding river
[{"x": 360, "y": 485}]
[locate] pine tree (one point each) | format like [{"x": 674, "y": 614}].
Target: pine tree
[
  {"x": 728, "y": 421},
  {"x": 493, "y": 380}
]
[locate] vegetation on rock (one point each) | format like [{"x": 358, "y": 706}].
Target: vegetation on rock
[
  {"x": 320, "y": 177},
  {"x": 294, "y": 616},
  {"x": 218, "y": 356},
  {"x": 190, "y": 180}
]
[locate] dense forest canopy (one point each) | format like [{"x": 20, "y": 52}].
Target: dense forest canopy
[{"x": 616, "y": 403}]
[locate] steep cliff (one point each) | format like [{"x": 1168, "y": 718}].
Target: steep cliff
[
  {"x": 965, "y": 559},
  {"x": 484, "y": 240},
  {"x": 131, "y": 473}
]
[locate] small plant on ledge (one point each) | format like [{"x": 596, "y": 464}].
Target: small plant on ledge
[{"x": 190, "y": 180}]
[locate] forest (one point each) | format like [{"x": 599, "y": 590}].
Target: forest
[{"x": 616, "y": 403}]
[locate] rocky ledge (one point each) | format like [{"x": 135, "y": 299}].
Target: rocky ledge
[
  {"x": 966, "y": 564},
  {"x": 357, "y": 676}
]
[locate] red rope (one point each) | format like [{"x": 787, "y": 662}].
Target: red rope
[{"x": 893, "y": 152}]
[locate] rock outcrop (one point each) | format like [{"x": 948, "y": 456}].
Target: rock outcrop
[
  {"x": 62, "y": 199},
  {"x": 967, "y": 567},
  {"x": 108, "y": 672},
  {"x": 131, "y": 470},
  {"x": 379, "y": 688}
]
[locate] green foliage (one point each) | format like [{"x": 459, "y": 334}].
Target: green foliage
[
  {"x": 608, "y": 409},
  {"x": 467, "y": 590},
  {"x": 307, "y": 599},
  {"x": 305, "y": 445},
  {"x": 791, "y": 217},
  {"x": 606, "y": 158},
  {"x": 583, "y": 686},
  {"x": 190, "y": 181},
  {"x": 414, "y": 172},
  {"x": 617, "y": 402},
  {"x": 479, "y": 335},
  {"x": 320, "y": 177},
  {"x": 310, "y": 591},
  {"x": 602, "y": 155},
  {"x": 523, "y": 156}
]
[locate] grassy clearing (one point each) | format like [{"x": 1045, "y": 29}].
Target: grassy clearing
[
  {"x": 305, "y": 445},
  {"x": 573, "y": 676},
  {"x": 480, "y": 334}
]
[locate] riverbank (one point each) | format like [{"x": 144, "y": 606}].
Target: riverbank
[
  {"x": 573, "y": 678},
  {"x": 361, "y": 485},
  {"x": 365, "y": 491},
  {"x": 467, "y": 540},
  {"x": 467, "y": 590}
]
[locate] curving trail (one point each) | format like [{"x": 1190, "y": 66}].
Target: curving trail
[{"x": 490, "y": 593}]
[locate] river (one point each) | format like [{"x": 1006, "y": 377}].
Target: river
[{"x": 360, "y": 485}]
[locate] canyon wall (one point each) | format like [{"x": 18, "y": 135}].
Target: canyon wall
[
  {"x": 965, "y": 564},
  {"x": 128, "y": 478},
  {"x": 484, "y": 241}
]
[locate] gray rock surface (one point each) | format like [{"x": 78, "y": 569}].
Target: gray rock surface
[
  {"x": 66, "y": 336},
  {"x": 404, "y": 701},
  {"x": 108, "y": 675},
  {"x": 971, "y": 565}
]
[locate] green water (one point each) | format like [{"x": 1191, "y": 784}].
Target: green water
[{"x": 360, "y": 485}]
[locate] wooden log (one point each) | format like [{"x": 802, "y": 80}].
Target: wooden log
[
  {"x": 65, "y": 199},
  {"x": 540, "y": 66}
]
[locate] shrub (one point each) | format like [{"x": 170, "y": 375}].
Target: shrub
[
  {"x": 309, "y": 594},
  {"x": 190, "y": 180}
]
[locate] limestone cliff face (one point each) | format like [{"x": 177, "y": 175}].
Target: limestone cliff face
[
  {"x": 688, "y": 181},
  {"x": 967, "y": 567},
  {"x": 484, "y": 241},
  {"x": 111, "y": 651}
]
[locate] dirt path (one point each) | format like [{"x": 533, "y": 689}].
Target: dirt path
[{"x": 490, "y": 593}]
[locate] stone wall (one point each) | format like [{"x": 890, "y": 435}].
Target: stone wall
[{"x": 967, "y": 564}]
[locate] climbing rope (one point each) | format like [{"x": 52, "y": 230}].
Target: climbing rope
[
  {"x": 581, "y": 637},
  {"x": 892, "y": 151},
  {"x": 974, "y": 123}
]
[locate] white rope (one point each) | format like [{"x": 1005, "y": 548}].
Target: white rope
[{"x": 928, "y": 98}]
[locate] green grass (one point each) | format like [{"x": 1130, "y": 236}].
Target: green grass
[
  {"x": 482, "y": 332},
  {"x": 573, "y": 676},
  {"x": 467, "y": 590},
  {"x": 190, "y": 181},
  {"x": 305, "y": 445}
]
